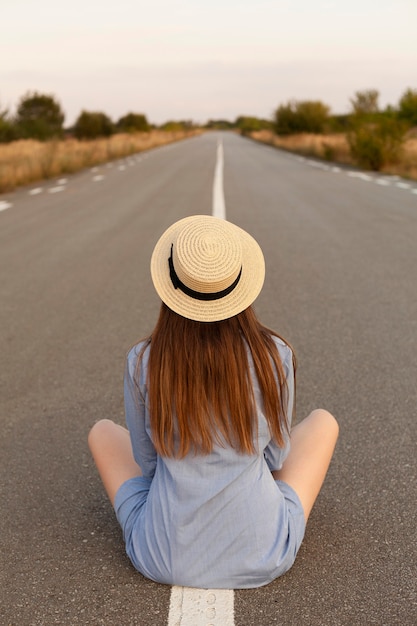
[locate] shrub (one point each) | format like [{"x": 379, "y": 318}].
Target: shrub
[
  {"x": 375, "y": 144},
  {"x": 219, "y": 125},
  {"x": 407, "y": 110},
  {"x": 365, "y": 102},
  {"x": 8, "y": 130},
  {"x": 39, "y": 116},
  {"x": 93, "y": 124},
  {"x": 338, "y": 123},
  {"x": 172, "y": 126},
  {"x": 375, "y": 137},
  {"x": 309, "y": 116},
  {"x": 286, "y": 119},
  {"x": 247, "y": 124},
  {"x": 133, "y": 122}
]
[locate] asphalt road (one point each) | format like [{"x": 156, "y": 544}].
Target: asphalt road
[{"x": 76, "y": 293}]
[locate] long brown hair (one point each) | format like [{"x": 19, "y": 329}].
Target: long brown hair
[{"x": 200, "y": 387}]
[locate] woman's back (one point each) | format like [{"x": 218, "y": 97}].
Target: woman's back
[{"x": 208, "y": 516}]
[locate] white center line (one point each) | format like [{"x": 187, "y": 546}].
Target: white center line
[
  {"x": 201, "y": 607},
  {"x": 34, "y": 192},
  {"x": 98, "y": 177},
  {"x": 219, "y": 207}
]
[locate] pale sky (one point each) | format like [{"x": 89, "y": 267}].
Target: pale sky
[{"x": 189, "y": 59}]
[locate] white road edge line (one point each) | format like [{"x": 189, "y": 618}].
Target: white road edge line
[
  {"x": 4, "y": 205},
  {"x": 192, "y": 606},
  {"x": 219, "y": 207},
  {"x": 383, "y": 181}
]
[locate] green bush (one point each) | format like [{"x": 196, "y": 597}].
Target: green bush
[
  {"x": 374, "y": 144},
  {"x": 407, "y": 109},
  {"x": 375, "y": 137},
  {"x": 338, "y": 123},
  {"x": 175, "y": 126},
  {"x": 133, "y": 123},
  {"x": 219, "y": 125},
  {"x": 365, "y": 102},
  {"x": 39, "y": 116},
  {"x": 8, "y": 130},
  {"x": 308, "y": 116},
  {"x": 247, "y": 124},
  {"x": 93, "y": 124}
]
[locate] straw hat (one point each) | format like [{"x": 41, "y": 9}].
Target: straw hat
[{"x": 207, "y": 269}]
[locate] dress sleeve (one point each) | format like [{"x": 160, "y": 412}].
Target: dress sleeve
[
  {"x": 274, "y": 455},
  {"x": 136, "y": 418}
]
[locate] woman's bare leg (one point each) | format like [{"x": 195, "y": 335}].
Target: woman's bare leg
[
  {"x": 112, "y": 452},
  {"x": 312, "y": 444}
]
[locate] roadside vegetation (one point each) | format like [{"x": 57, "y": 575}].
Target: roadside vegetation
[
  {"x": 27, "y": 160},
  {"x": 35, "y": 144},
  {"x": 367, "y": 137}
]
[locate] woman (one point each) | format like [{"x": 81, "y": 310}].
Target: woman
[{"x": 209, "y": 484}]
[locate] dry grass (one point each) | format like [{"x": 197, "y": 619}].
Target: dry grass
[
  {"x": 26, "y": 161},
  {"x": 329, "y": 147},
  {"x": 407, "y": 167},
  {"x": 336, "y": 148}
]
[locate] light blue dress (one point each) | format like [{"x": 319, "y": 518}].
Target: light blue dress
[{"x": 215, "y": 521}]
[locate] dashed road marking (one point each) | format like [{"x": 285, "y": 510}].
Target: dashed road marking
[
  {"x": 403, "y": 185},
  {"x": 56, "y": 189},
  {"x": 361, "y": 176},
  {"x": 383, "y": 181},
  {"x": 218, "y": 193},
  {"x": 320, "y": 166}
]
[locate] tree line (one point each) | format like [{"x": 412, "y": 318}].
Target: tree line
[
  {"x": 40, "y": 116},
  {"x": 375, "y": 135},
  {"x": 314, "y": 116}
]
